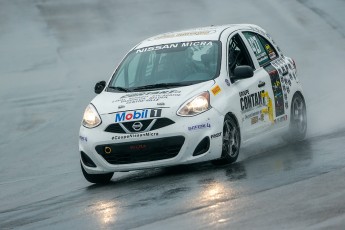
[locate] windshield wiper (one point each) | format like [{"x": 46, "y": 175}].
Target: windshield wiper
[
  {"x": 160, "y": 85},
  {"x": 119, "y": 88}
]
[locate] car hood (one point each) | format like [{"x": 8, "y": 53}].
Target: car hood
[{"x": 112, "y": 102}]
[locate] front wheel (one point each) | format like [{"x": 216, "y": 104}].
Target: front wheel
[
  {"x": 298, "y": 119},
  {"x": 231, "y": 142},
  {"x": 97, "y": 178}
]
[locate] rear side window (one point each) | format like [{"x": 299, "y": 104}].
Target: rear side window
[{"x": 263, "y": 49}]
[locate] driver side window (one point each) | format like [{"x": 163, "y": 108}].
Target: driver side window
[{"x": 237, "y": 54}]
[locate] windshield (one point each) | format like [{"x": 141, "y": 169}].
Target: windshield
[{"x": 168, "y": 65}]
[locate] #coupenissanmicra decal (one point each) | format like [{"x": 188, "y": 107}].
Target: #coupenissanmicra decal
[{"x": 134, "y": 135}]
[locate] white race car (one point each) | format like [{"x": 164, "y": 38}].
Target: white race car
[{"x": 191, "y": 96}]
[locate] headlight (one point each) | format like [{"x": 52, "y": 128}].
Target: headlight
[
  {"x": 195, "y": 105},
  {"x": 91, "y": 119}
]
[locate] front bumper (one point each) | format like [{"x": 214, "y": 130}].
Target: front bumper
[{"x": 182, "y": 142}]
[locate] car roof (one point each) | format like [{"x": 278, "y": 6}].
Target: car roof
[{"x": 195, "y": 34}]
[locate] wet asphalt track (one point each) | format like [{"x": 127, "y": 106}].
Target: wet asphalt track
[{"x": 52, "y": 53}]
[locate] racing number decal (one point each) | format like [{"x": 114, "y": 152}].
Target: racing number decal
[
  {"x": 257, "y": 47},
  {"x": 253, "y": 42},
  {"x": 277, "y": 90}
]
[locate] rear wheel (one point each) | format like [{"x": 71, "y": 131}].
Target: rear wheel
[
  {"x": 231, "y": 142},
  {"x": 97, "y": 178},
  {"x": 298, "y": 119}
]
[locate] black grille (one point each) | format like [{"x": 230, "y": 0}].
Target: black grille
[
  {"x": 160, "y": 123},
  {"x": 142, "y": 151},
  {"x": 114, "y": 128}
]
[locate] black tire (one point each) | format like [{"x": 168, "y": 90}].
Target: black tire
[
  {"x": 231, "y": 142},
  {"x": 298, "y": 119},
  {"x": 97, "y": 178}
]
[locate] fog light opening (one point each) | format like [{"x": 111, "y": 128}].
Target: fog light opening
[
  {"x": 202, "y": 147},
  {"x": 87, "y": 160},
  {"x": 107, "y": 150}
]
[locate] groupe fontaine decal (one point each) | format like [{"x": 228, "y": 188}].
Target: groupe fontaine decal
[{"x": 251, "y": 100}]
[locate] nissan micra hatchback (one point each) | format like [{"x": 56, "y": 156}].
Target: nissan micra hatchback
[{"x": 190, "y": 96}]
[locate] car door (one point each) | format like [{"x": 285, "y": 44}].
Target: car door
[
  {"x": 252, "y": 92},
  {"x": 274, "y": 67}
]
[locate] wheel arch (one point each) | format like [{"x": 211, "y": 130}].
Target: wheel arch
[
  {"x": 294, "y": 135},
  {"x": 233, "y": 116},
  {"x": 298, "y": 92},
  {"x": 236, "y": 120}
]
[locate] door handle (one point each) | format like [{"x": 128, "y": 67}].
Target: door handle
[{"x": 261, "y": 84}]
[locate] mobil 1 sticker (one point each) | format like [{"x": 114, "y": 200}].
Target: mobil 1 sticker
[{"x": 137, "y": 115}]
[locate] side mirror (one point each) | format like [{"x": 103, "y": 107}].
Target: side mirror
[
  {"x": 99, "y": 87},
  {"x": 243, "y": 72}
]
